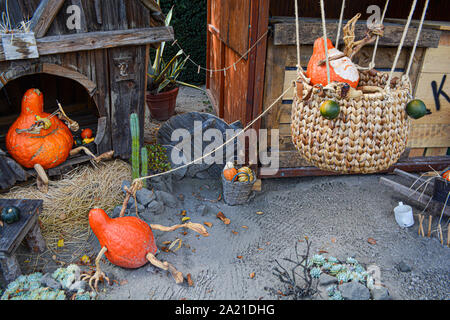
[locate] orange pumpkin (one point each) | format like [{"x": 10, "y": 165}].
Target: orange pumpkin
[
  {"x": 229, "y": 172},
  {"x": 341, "y": 70},
  {"x": 86, "y": 134},
  {"x": 127, "y": 239},
  {"x": 446, "y": 175},
  {"x": 49, "y": 148}
]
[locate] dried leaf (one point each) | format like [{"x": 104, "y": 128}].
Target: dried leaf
[
  {"x": 208, "y": 224},
  {"x": 85, "y": 259},
  {"x": 167, "y": 242},
  {"x": 224, "y": 219},
  {"x": 183, "y": 213},
  {"x": 240, "y": 257},
  {"x": 185, "y": 219},
  {"x": 260, "y": 249},
  {"x": 333, "y": 240},
  {"x": 123, "y": 282},
  {"x": 189, "y": 280},
  {"x": 372, "y": 241},
  {"x": 61, "y": 243},
  {"x": 234, "y": 232},
  {"x": 322, "y": 251},
  {"x": 244, "y": 227},
  {"x": 260, "y": 213},
  {"x": 252, "y": 275}
]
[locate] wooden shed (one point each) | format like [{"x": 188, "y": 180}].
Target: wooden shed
[
  {"x": 91, "y": 55},
  {"x": 242, "y": 93}
]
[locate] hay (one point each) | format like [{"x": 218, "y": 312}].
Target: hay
[{"x": 67, "y": 204}]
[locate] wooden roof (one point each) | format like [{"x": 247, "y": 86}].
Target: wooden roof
[{"x": 105, "y": 24}]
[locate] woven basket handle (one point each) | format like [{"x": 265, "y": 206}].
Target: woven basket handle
[{"x": 238, "y": 174}]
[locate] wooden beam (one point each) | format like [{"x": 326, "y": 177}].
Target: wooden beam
[
  {"x": 284, "y": 33},
  {"x": 100, "y": 40},
  {"x": 44, "y": 16}
]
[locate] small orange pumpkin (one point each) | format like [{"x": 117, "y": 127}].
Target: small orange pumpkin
[
  {"x": 341, "y": 70},
  {"x": 446, "y": 175},
  {"x": 128, "y": 239},
  {"x": 229, "y": 172},
  {"x": 86, "y": 134},
  {"x": 49, "y": 148}
]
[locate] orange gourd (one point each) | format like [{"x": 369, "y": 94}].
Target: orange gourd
[
  {"x": 127, "y": 239},
  {"x": 341, "y": 70},
  {"x": 446, "y": 175},
  {"x": 86, "y": 134},
  {"x": 229, "y": 172},
  {"x": 49, "y": 148}
]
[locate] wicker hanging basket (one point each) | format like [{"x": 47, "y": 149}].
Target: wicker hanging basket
[{"x": 369, "y": 135}]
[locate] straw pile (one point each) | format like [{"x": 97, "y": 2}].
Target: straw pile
[{"x": 67, "y": 204}]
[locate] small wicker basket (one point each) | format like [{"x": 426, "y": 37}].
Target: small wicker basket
[
  {"x": 369, "y": 135},
  {"x": 237, "y": 193}
]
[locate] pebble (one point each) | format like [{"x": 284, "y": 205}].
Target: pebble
[
  {"x": 403, "y": 267},
  {"x": 354, "y": 291}
]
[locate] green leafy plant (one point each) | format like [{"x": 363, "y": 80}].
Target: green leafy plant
[
  {"x": 158, "y": 161},
  {"x": 163, "y": 76}
]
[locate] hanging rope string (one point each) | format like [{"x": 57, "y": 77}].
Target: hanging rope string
[
  {"x": 340, "y": 24},
  {"x": 419, "y": 31},
  {"x": 297, "y": 37},
  {"x": 324, "y": 26},
  {"x": 375, "y": 48},
  {"x": 200, "y": 67},
  {"x": 405, "y": 31}
]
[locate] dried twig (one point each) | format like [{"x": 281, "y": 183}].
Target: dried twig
[{"x": 291, "y": 278}]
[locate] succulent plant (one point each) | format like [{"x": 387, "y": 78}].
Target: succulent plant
[
  {"x": 318, "y": 260},
  {"x": 336, "y": 296},
  {"x": 351, "y": 260},
  {"x": 327, "y": 266},
  {"x": 344, "y": 276},
  {"x": 332, "y": 260},
  {"x": 315, "y": 273},
  {"x": 331, "y": 290},
  {"x": 337, "y": 268}
]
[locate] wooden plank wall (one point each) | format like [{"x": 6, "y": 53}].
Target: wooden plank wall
[
  {"x": 236, "y": 94},
  {"x": 430, "y": 136}
]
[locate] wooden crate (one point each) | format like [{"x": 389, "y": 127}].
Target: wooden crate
[{"x": 429, "y": 137}]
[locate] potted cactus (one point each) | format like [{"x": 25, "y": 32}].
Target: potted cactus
[{"x": 163, "y": 84}]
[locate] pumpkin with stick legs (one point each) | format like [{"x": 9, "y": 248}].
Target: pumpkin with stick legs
[{"x": 128, "y": 242}]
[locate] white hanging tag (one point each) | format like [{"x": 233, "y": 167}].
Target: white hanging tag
[
  {"x": 198, "y": 71},
  {"x": 234, "y": 66},
  {"x": 210, "y": 73},
  {"x": 173, "y": 43},
  {"x": 224, "y": 72}
]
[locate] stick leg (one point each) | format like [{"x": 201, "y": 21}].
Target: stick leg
[
  {"x": 98, "y": 275},
  {"x": 193, "y": 226},
  {"x": 42, "y": 178},
  {"x": 177, "y": 275}
]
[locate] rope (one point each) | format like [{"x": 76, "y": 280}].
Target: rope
[
  {"x": 200, "y": 67},
  {"x": 374, "y": 55},
  {"x": 340, "y": 24},
  {"x": 411, "y": 59},
  {"x": 297, "y": 35},
  {"x": 297, "y": 29},
  {"x": 405, "y": 31},
  {"x": 324, "y": 27},
  {"x": 218, "y": 148}
]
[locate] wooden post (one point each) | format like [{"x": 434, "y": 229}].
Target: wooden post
[{"x": 35, "y": 240}]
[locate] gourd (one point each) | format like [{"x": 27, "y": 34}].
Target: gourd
[
  {"x": 330, "y": 110},
  {"x": 342, "y": 69},
  {"x": 50, "y": 147},
  {"x": 86, "y": 134},
  {"x": 10, "y": 215},
  {"x": 229, "y": 172},
  {"x": 127, "y": 239},
  {"x": 417, "y": 109},
  {"x": 244, "y": 177},
  {"x": 446, "y": 175}
]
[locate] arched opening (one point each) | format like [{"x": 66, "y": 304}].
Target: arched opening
[{"x": 73, "y": 96}]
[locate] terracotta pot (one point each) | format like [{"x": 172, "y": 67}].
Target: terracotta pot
[{"x": 162, "y": 105}]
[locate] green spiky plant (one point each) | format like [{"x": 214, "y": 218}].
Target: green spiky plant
[
  {"x": 163, "y": 76},
  {"x": 138, "y": 155}
]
